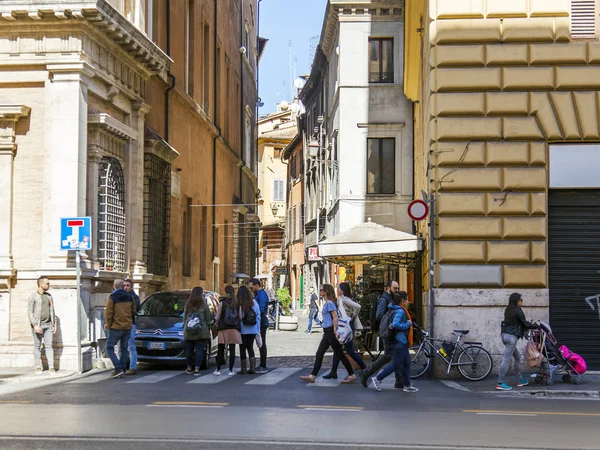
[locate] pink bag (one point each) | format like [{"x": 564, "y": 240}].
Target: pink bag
[{"x": 576, "y": 361}]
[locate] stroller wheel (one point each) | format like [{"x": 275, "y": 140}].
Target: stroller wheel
[
  {"x": 539, "y": 379},
  {"x": 578, "y": 380},
  {"x": 549, "y": 381},
  {"x": 567, "y": 378}
]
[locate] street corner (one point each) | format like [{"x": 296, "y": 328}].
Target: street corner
[{"x": 15, "y": 380}]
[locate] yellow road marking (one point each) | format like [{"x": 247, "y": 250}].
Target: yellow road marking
[
  {"x": 541, "y": 413},
  {"x": 329, "y": 407},
  {"x": 19, "y": 402},
  {"x": 192, "y": 403}
]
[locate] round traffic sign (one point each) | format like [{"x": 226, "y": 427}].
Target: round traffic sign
[{"x": 418, "y": 210}]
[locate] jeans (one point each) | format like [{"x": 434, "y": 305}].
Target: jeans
[
  {"x": 121, "y": 337},
  {"x": 400, "y": 359},
  {"x": 189, "y": 353},
  {"x": 349, "y": 347},
  {"x": 312, "y": 315},
  {"x": 46, "y": 334},
  {"x": 247, "y": 346},
  {"x": 329, "y": 340},
  {"x": 132, "y": 350},
  {"x": 510, "y": 351},
  {"x": 381, "y": 361},
  {"x": 263, "y": 349}
]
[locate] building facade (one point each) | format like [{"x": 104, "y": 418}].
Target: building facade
[
  {"x": 275, "y": 132},
  {"x": 108, "y": 111},
  {"x": 357, "y": 132},
  {"x": 506, "y": 138}
]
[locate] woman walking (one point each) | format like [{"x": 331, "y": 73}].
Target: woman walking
[
  {"x": 229, "y": 315},
  {"x": 514, "y": 328},
  {"x": 196, "y": 332},
  {"x": 352, "y": 309},
  {"x": 401, "y": 325},
  {"x": 250, "y": 328},
  {"x": 329, "y": 339}
]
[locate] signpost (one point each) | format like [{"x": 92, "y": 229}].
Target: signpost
[
  {"x": 76, "y": 234},
  {"x": 418, "y": 210}
]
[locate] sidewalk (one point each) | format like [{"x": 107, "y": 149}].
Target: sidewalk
[
  {"x": 590, "y": 388},
  {"x": 17, "y": 379}
]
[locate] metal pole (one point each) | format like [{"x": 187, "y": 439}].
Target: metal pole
[
  {"x": 277, "y": 315},
  {"x": 431, "y": 262},
  {"x": 78, "y": 309}
]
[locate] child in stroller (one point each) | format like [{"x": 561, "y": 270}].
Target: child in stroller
[{"x": 555, "y": 360}]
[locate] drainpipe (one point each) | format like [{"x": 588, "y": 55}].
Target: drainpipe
[
  {"x": 169, "y": 74},
  {"x": 215, "y": 121},
  {"x": 242, "y": 28},
  {"x": 431, "y": 253}
]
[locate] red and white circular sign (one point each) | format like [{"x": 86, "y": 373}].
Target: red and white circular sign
[{"x": 418, "y": 210}]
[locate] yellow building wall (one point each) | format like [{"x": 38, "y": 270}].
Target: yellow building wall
[{"x": 499, "y": 81}]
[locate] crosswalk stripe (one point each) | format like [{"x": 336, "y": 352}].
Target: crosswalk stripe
[
  {"x": 92, "y": 378},
  {"x": 274, "y": 376},
  {"x": 156, "y": 377},
  {"x": 211, "y": 378}
]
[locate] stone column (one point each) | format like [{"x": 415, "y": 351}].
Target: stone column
[{"x": 9, "y": 116}]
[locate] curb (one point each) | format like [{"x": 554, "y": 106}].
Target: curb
[
  {"x": 545, "y": 393},
  {"x": 17, "y": 386}
]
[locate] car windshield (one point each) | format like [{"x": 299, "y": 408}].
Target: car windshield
[{"x": 164, "y": 304}]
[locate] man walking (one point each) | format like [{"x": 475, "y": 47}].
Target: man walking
[
  {"x": 262, "y": 299},
  {"x": 128, "y": 286},
  {"x": 40, "y": 310},
  {"x": 383, "y": 303},
  {"x": 119, "y": 313},
  {"x": 313, "y": 311}
]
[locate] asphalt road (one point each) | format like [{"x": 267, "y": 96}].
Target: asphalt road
[{"x": 168, "y": 409}]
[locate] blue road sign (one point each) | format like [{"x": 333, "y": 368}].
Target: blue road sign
[{"x": 76, "y": 233}]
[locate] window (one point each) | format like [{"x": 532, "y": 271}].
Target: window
[
  {"x": 206, "y": 70},
  {"x": 583, "y": 19},
  {"x": 293, "y": 168},
  {"x": 277, "y": 152},
  {"x": 189, "y": 56},
  {"x": 278, "y": 190},
  {"x": 248, "y": 141},
  {"x": 227, "y": 120},
  {"x": 226, "y": 250},
  {"x": 186, "y": 250},
  {"x": 203, "y": 241},
  {"x": 381, "y": 60},
  {"x": 111, "y": 215},
  {"x": 381, "y": 161},
  {"x": 294, "y": 224},
  {"x": 157, "y": 205},
  {"x": 218, "y": 84}
]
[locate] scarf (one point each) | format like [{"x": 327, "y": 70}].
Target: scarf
[{"x": 409, "y": 333}]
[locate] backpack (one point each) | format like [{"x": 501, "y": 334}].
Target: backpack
[
  {"x": 250, "y": 317},
  {"x": 344, "y": 331},
  {"x": 374, "y": 322},
  {"x": 384, "y": 326},
  {"x": 193, "y": 323},
  {"x": 230, "y": 318}
]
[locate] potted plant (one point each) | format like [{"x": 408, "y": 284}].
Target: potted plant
[{"x": 287, "y": 322}]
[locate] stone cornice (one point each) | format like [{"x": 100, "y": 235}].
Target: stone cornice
[
  {"x": 156, "y": 145},
  {"x": 113, "y": 126},
  {"x": 14, "y": 111},
  {"x": 99, "y": 14}
]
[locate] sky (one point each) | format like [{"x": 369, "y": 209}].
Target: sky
[{"x": 282, "y": 21}]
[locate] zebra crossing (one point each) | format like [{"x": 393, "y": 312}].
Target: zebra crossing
[{"x": 271, "y": 378}]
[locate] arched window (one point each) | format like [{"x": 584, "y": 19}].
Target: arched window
[{"x": 111, "y": 215}]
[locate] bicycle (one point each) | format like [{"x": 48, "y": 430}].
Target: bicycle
[{"x": 473, "y": 361}]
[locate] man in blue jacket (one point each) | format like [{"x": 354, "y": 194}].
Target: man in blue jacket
[{"x": 262, "y": 298}]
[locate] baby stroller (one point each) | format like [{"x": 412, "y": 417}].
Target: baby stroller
[{"x": 556, "y": 359}]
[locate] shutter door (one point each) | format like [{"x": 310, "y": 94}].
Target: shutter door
[
  {"x": 583, "y": 19},
  {"x": 574, "y": 271}
]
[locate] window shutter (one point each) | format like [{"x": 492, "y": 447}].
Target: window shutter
[{"x": 583, "y": 18}]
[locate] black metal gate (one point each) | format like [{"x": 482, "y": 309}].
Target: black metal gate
[{"x": 574, "y": 271}]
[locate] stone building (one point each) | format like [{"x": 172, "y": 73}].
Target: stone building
[
  {"x": 506, "y": 141},
  {"x": 85, "y": 131}
]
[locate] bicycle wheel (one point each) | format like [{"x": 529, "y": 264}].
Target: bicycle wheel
[
  {"x": 419, "y": 362},
  {"x": 475, "y": 363}
]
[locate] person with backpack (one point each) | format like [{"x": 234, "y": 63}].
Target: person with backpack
[
  {"x": 196, "y": 329},
  {"x": 330, "y": 337},
  {"x": 229, "y": 316},
  {"x": 351, "y": 310},
  {"x": 513, "y": 327},
  {"x": 400, "y": 329},
  {"x": 250, "y": 328},
  {"x": 380, "y": 307}
]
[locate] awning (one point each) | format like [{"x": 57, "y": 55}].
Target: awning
[{"x": 371, "y": 242}]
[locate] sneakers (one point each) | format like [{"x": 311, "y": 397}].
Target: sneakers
[
  {"x": 217, "y": 372},
  {"x": 522, "y": 382},
  {"x": 39, "y": 371},
  {"x": 52, "y": 371},
  {"x": 364, "y": 379},
  {"x": 410, "y": 388},
  {"x": 503, "y": 387},
  {"x": 376, "y": 383},
  {"x": 330, "y": 376},
  {"x": 231, "y": 372},
  {"x": 117, "y": 373},
  {"x": 261, "y": 370},
  {"x": 196, "y": 373},
  {"x": 188, "y": 371},
  {"x": 131, "y": 372}
]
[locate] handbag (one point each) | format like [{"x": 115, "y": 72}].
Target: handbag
[
  {"x": 259, "y": 342},
  {"x": 534, "y": 354}
]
